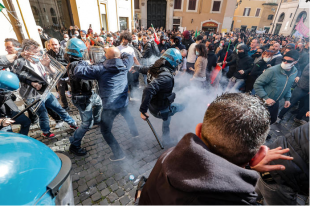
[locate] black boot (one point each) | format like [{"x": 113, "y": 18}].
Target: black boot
[{"x": 77, "y": 150}]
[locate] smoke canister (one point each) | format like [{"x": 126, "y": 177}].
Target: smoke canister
[{"x": 131, "y": 177}]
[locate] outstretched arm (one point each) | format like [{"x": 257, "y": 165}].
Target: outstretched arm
[{"x": 85, "y": 71}]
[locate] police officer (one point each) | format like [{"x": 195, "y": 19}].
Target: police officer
[
  {"x": 84, "y": 98},
  {"x": 157, "y": 95}
]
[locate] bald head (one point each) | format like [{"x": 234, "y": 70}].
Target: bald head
[
  {"x": 276, "y": 47},
  {"x": 54, "y": 45},
  {"x": 112, "y": 53}
]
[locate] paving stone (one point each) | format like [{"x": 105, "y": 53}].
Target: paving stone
[
  {"x": 124, "y": 200},
  {"x": 81, "y": 182},
  {"x": 118, "y": 176},
  {"x": 114, "y": 187},
  {"x": 75, "y": 185},
  {"x": 91, "y": 183},
  {"x": 116, "y": 203},
  {"x": 110, "y": 181},
  {"x": 120, "y": 192},
  {"x": 95, "y": 197},
  {"x": 132, "y": 193},
  {"x": 122, "y": 182},
  {"x": 112, "y": 197},
  {"x": 105, "y": 192},
  {"x": 87, "y": 202},
  {"x": 104, "y": 202},
  {"x": 100, "y": 178},
  {"x": 82, "y": 188},
  {"x": 102, "y": 186},
  {"x": 83, "y": 196},
  {"x": 128, "y": 186}
]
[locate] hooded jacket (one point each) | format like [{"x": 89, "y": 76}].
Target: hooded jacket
[
  {"x": 187, "y": 41},
  {"x": 296, "y": 173},
  {"x": 275, "y": 84},
  {"x": 303, "y": 82},
  {"x": 244, "y": 63},
  {"x": 112, "y": 79},
  {"x": 189, "y": 174}
]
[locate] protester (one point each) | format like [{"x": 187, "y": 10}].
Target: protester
[
  {"x": 187, "y": 40},
  {"x": 199, "y": 76},
  {"x": 63, "y": 43},
  {"x": 275, "y": 83},
  {"x": 191, "y": 57}
]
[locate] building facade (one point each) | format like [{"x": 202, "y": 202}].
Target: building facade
[
  {"x": 288, "y": 14},
  {"x": 254, "y": 14},
  {"x": 207, "y": 15},
  {"x": 52, "y": 15}
]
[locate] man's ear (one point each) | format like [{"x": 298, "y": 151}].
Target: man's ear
[
  {"x": 198, "y": 130},
  {"x": 260, "y": 155}
]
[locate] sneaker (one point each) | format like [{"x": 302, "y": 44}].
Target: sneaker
[
  {"x": 68, "y": 94},
  {"x": 115, "y": 158},
  {"x": 74, "y": 126},
  {"x": 300, "y": 121},
  {"x": 278, "y": 120},
  {"x": 59, "y": 125},
  {"x": 77, "y": 150},
  {"x": 48, "y": 134}
]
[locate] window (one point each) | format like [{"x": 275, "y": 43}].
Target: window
[
  {"x": 123, "y": 23},
  {"x": 257, "y": 12},
  {"x": 216, "y": 6},
  {"x": 281, "y": 18},
  {"x": 291, "y": 15},
  {"x": 246, "y": 11},
  {"x": 178, "y": 4},
  {"x": 176, "y": 23},
  {"x": 137, "y": 4},
  {"x": 192, "y": 4},
  {"x": 270, "y": 17}
]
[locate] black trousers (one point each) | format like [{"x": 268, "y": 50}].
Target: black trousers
[
  {"x": 61, "y": 86},
  {"x": 273, "y": 110}
]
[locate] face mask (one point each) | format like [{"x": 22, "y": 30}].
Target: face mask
[
  {"x": 241, "y": 54},
  {"x": 135, "y": 41},
  {"x": 66, "y": 39},
  {"x": 83, "y": 38},
  {"x": 100, "y": 42},
  {"x": 266, "y": 59},
  {"x": 163, "y": 42},
  {"x": 197, "y": 53},
  {"x": 17, "y": 49},
  {"x": 36, "y": 59},
  {"x": 237, "y": 51},
  {"x": 76, "y": 34},
  {"x": 287, "y": 67}
]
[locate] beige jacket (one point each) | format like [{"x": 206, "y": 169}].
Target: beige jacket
[{"x": 200, "y": 67}]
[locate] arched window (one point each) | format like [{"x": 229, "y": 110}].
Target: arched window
[
  {"x": 270, "y": 17},
  {"x": 281, "y": 18},
  {"x": 35, "y": 11},
  {"x": 303, "y": 15},
  {"x": 53, "y": 13}
]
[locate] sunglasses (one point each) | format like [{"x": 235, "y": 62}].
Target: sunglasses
[{"x": 288, "y": 61}]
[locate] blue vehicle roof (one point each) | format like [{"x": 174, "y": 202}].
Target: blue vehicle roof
[{"x": 27, "y": 166}]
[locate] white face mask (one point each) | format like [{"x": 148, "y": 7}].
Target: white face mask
[
  {"x": 83, "y": 37},
  {"x": 76, "y": 34},
  {"x": 67, "y": 38},
  {"x": 267, "y": 59},
  {"x": 287, "y": 67}
]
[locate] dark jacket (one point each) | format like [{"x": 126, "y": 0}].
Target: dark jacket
[
  {"x": 303, "y": 60},
  {"x": 78, "y": 86},
  {"x": 189, "y": 174},
  {"x": 162, "y": 46},
  {"x": 296, "y": 173},
  {"x": 160, "y": 85},
  {"x": 258, "y": 68},
  {"x": 275, "y": 84},
  {"x": 212, "y": 60},
  {"x": 147, "y": 50},
  {"x": 59, "y": 57},
  {"x": 222, "y": 53},
  {"x": 178, "y": 44},
  {"x": 244, "y": 63},
  {"x": 303, "y": 82},
  {"x": 112, "y": 79},
  {"x": 231, "y": 62},
  {"x": 276, "y": 59},
  {"x": 187, "y": 42}
]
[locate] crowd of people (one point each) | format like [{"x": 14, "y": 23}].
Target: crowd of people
[{"x": 256, "y": 71}]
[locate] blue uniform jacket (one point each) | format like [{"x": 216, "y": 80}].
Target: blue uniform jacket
[{"x": 112, "y": 79}]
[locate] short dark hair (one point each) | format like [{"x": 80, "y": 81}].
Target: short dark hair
[
  {"x": 14, "y": 42},
  {"x": 211, "y": 47},
  {"x": 126, "y": 36},
  {"x": 202, "y": 50},
  {"x": 110, "y": 36},
  {"x": 199, "y": 38},
  {"x": 235, "y": 125},
  {"x": 30, "y": 42}
]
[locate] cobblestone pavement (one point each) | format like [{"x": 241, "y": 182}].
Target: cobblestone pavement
[{"x": 97, "y": 180}]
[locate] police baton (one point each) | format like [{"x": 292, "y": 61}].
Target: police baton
[
  {"x": 24, "y": 110},
  {"x": 153, "y": 130}
]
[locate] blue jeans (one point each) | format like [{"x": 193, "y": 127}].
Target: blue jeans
[
  {"x": 276, "y": 194},
  {"x": 52, "y": 103},
  {"x": 90, "y": 113},
  {"x": 107, "y": 118},
  {"x": 174, "y": 108},
  {"x": 235, "y": 85},
  {"x": 297, "y": 95}
]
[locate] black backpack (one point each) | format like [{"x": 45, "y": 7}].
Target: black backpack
[{"x": 155, "y": 49}]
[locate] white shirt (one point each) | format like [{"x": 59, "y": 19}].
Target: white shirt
[
  {"x": 191, "y": 56},
  {"x": 127, "y": 49}
]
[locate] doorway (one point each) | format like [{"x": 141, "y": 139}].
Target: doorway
[
  {"x": 277, "y": 30},
  {"x": 156, "y": 13}
]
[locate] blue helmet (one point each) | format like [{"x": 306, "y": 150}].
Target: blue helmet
[
  {"x": 76, "y": 47},
  {"x": 8, "y": 81},
  {"x": 173, "y": 56}
]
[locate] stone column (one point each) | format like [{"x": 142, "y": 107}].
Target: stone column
[
  {"x": 144, "y": 13},
  {"x": 169, "y": 14}
]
